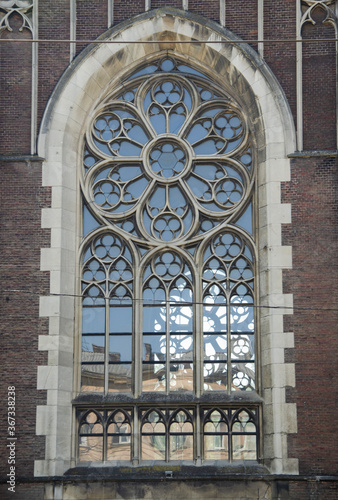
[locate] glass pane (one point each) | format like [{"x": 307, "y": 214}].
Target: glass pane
[
  {"x": 181, "y": 347},
  {"x": 119, "y": 378},
  {"x": 181, "y": 319},
  {"x": 92, "y": 378},
  {"x": 244, "y": 447},
  {"x": 93, "y": 348},
  {"x": 242, "y": 318},
  {"x": 243, "y": 376},
  {"x": 215, "y": 376},
  {"x": 181, "y": 427},
  {"x": 244, "y": 427},
  {"x": 245, "y": 221},
  {"x": 93, "y": 319},
  {"x": 117, "y": 449},
  {"x": 119, "y": 439},
  {"x": 181, "y": 447},
  {"x": 215, "y": 319},
  {"x": 121, "y": 319},
  {"x": 181, "y": 377},
  {"x": 215, "y": 347},
  {"x": 153, "y": 377},
  {"x": 154, "y": 319},
  {"x": 216, "y": 447},
  {"x": 120, "y": 348},
  {"x": 91, "y": 448},
  {"x": 153, "y": 447},
  {"x": 154, "y": 348},
  {"x": 215, "y": 427},
  {"x": 89, "y": 223}
]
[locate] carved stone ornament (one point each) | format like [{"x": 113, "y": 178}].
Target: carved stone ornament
[
  {"x": 308, "y": 7},
  {"x": 22, "y": 7}
]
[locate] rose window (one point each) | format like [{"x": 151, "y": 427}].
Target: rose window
[{"x": 169, "y": 152}]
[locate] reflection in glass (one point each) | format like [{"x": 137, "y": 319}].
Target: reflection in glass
[
  {"x": 181, "y": 319},
  {"x": 215, "y": 319},
  {"x": 119, "y": 437},
  {"x": 93, "y": 320},
  {"x": 154, "y": 348},
  {"x": 91, "y": 437},
  {"x": 93, "y": 348},
  {"x": 153, "y": 437},
  {"x": 180, "y": 347},
  {"x": 215, "y": 347},
  {"x": 153, "y": 377},
  {"x": 242, "y": 318},
  {"x": 244, "y": 447},
  {"x": 215, "y": 376},
  {"x": 92, "y": 377},
  {"x": 119, "y": 348},
  {"x": 216, "y": 447},
  {"x": 216, "y": 436},
  {"x": 119, "y": 377},
  {"x": 181, "y": 437},
  {"x": 91, "y": 448},
  {"x": 154, "y": 319},
  {"x": 243, "y": 376},
  {"x": 121, "y": 319},
  {"x": 181, "y": 377}
]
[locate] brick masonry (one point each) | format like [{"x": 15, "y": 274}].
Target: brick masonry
[
  {"x": 312, "y": 234},
  {"x": 21, "y": 237}
]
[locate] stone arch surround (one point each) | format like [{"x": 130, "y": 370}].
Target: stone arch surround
[{"x": 85, "y": 83}]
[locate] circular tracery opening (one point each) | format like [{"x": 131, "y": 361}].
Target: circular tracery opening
[{"x": 167, "y": 158}]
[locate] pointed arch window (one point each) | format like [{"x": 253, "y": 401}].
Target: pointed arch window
[{"x": 169, "y": 266}]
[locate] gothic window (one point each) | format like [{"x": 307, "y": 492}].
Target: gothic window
[{"x": 168, "y": 273}]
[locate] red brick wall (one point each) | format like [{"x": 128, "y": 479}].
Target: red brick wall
[
  {"x": 15, "y": 90},
  {"x": 157, "y": 4},
  {"x": 319, "y": 87},
  {"x": 91, "y": 20},
  {"x": 241, "y": 18},
  {"x": 22, "y": 282},
  {"x": 280, "y": 24},
  {"x": 314, "y": 284},
  {"x": 124, "y": 9},
  {"x": 208, "y": 9},
  {"x": 54, "y": 24}
]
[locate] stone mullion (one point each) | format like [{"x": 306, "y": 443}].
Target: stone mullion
[
  {"x": 136, "y": 437},
  {"x": 106, "y": 351},
  {"x": 34, "y": 109},
  {"x": 260, "y": 26},
  {"x": 299, "y": 76},
  {"x": 198, "y": 436},
  {"x": 72, "y": 29},
  {"x": 167, "y": 336},
  {"x": 228, "y": 296},
  {"x": 198, "y": 329},
  {"x": 222, "y": 12},
  {"x": 110, "y": 13},
  {"x": 137, "y": 335}
]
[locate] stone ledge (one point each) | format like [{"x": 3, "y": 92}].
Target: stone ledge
[
  {"x": 21, "y": 158},
  {"x": 314, "y": 153}
]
